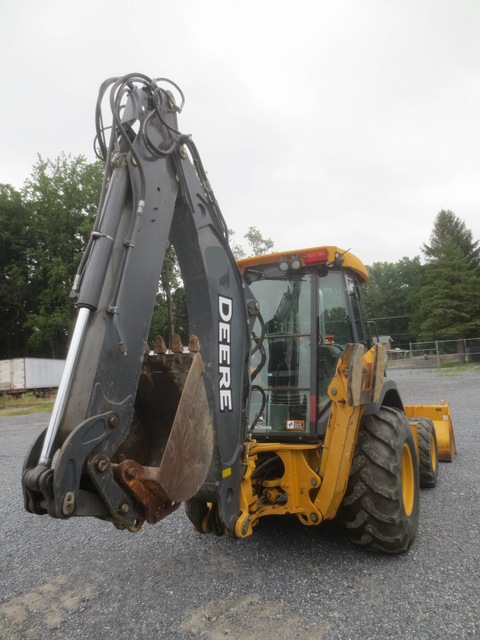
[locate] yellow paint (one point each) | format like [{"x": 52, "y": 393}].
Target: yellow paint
[
  {"x": 439, "y": 414},
  {"x": 350, "y": 261},
  {"x": 315, "y": 476},
  {"x": 352, "y": 378},
  {"x": 408, "y": 479},
  {"x": 298, "y": 486}
]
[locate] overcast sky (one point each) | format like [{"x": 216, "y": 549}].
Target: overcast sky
[{"x": 348, "y": 122}]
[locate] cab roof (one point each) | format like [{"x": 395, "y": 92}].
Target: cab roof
[{"x": 309, "y": 257}]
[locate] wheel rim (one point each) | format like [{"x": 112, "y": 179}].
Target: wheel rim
[
  {"x": 433, "y": 454},
  {"x": 408, "y": 480}
]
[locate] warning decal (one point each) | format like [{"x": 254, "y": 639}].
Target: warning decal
[{"x": 296, "y": 425}]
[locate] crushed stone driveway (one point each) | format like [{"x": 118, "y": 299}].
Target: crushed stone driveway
[{"x": 84, "y": 579}]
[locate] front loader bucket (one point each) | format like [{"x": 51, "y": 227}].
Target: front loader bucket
[{"x": 439, "y": 414}]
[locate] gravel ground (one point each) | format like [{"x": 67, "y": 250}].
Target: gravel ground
[{"x": 84, "y": 579}]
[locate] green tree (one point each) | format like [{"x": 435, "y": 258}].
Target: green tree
[
  {"x": 449, "y": 230},
  {"x": 388, "y": 297},
  {"x": 237, "y": 249},
  {"x": 170, "y": 311},
  {"x": 448, "y": 300},
  {"x": 169, "y": 281},
  {"x": 14, "y": 275},
  {"x": 61, "y": 197},
  {"x": 257, "y": 242},
  {"x": 446, "y": 308}
]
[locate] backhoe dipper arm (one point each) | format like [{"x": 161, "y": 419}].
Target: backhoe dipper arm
[{"x": 155, "y": 188}]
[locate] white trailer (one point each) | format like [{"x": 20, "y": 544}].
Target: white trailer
[{"x": 28, "y": 374}]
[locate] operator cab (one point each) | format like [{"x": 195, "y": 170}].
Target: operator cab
[{"x": 309, "y": 311}]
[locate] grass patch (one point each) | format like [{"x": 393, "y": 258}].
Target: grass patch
[
  {"x": 45, "y": 407},
  {"x": 24, "y": 404},
  {"x": 453, "y": 369}
]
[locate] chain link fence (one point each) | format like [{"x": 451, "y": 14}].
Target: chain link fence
[{"x": 436, "y": 353}]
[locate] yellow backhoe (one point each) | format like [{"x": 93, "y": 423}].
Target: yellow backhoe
[{"x": 280, "y": 405}]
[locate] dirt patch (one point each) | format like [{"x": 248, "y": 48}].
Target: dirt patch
[
  {"x": 43, "y": 608},
  {"x": 250, "y": 618}
]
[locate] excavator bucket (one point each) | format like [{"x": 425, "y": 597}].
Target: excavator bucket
[
  {"x": 163, "y": 460},
  {"x": 168, "y": 452},
  {"x": 188, "y": 452},
  {"x": 439, "y": 414}
]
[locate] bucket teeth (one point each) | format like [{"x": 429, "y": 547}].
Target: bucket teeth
[
  {"x": 177, "y": 346},
  {"x": 193, "y": 344},
  {"x": 160, "y": 346}
]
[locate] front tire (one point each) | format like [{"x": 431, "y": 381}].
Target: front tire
[
  {"x": 380, "y": 507},
  {"x": 428, "y": 453}
]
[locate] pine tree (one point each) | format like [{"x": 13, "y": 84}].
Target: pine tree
[
  {"x": 448, "y": 301},
  {"x": 448, "y": 229}
]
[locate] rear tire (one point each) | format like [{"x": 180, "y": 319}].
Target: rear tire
[
  {"x": 428, "y": 453},
  {"x": 380, "y": 507}
]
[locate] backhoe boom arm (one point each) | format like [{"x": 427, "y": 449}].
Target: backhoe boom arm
[{"x": 155, "y": 190}]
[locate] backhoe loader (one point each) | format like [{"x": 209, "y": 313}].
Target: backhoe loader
[{"x": 280, "y": 405}]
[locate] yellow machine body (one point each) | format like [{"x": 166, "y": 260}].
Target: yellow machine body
[{"x": 313, "y": 478}]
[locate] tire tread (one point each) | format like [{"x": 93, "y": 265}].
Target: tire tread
[{"x": 373, "y": 510}]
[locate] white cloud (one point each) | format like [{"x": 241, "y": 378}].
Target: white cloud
[{"x": 342, "y": 122}]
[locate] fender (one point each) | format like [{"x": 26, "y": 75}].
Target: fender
[{"x": 389, "y": 397}]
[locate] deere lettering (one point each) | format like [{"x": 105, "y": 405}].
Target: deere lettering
[{"x": 225, "y": 309}]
